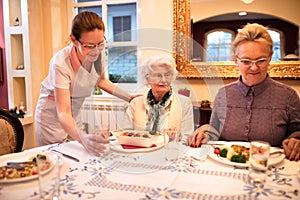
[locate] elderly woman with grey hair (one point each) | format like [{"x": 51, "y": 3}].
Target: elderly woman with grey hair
[{"x": 159, "y": 108}]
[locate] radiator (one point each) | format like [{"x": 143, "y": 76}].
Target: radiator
[{"x": 102, "y": 116}]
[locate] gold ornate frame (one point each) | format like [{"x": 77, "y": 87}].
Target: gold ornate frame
[
  {"x": 188, "y": 69},
  {"x": 279, "y": 69},
  {"x": 181, "y": 33}
]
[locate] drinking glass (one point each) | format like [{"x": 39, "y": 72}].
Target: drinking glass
[
  {"x": 172, "y": 147},
  {"x": 259, "y": 155},
  {"x": 49, "y": 178},
  {"x": 105, "y": 133}
]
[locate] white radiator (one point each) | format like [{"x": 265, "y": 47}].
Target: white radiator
[{"x": 102, "y": 115}]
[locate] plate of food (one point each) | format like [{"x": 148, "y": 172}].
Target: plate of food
[
  {"x": 133, "y": 141},
  {"x": 19, "y": 167},
  {"x": 237, "y": 154}
]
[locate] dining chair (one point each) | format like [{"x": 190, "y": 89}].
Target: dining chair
[{"x": 11, "y": 133}]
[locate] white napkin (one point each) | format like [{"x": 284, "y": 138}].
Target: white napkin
[{"x": 200, "y": 153}]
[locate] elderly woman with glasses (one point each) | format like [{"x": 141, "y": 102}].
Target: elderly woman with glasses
[
  {"x": 255, "y": 107},
  {"x": 74, "y": 71},
  {"x": 160, "y": 108}
]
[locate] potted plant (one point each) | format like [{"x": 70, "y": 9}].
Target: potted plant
[
  {"x": 205, "y": 104},
  {"x": 184, "y": 91}
]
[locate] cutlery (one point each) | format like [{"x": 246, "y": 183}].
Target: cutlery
[
  {"x": 66, "y": 155},
  {"x": 276, "y": 152},
  {"x": 19, "y": 165},
  {"x": 212, "y": 144}
]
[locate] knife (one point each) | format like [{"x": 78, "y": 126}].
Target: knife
[{"x": 66, "y": 155}]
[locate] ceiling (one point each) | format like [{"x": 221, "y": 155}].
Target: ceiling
[{"x": 235, "y": 16}]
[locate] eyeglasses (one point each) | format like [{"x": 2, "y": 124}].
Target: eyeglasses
[
  {"x": 158, "y": 77},
  {"x": 248, "y": 62},
  {"x": 99, "y": 46}
]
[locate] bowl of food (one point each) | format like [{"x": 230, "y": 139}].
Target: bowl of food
[{"x": 136, "y": 138}]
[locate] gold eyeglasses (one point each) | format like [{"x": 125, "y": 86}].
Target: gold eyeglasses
[
  {"x": 99, "y": 46},
  {"x": 248, "y": 62}
]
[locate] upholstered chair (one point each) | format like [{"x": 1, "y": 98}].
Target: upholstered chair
[{"x": 11, "y": 133}]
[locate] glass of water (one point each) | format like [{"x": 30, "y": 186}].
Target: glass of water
[
  {"x": 259, "y": 155},
  {"x": 172, "y": 147}
]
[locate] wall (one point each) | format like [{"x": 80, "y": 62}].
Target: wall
[
  {"x": 47, "y": 20},
  {"x": 287, "y": 9}
]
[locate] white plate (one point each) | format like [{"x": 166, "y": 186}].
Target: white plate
[
  {"x": 115, "y": 146},
  {"x": 273, "y": 160},
  {"x": 21, "y": 157}
]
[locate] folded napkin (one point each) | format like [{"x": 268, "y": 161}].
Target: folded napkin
[{"x": 200, "y": 153}]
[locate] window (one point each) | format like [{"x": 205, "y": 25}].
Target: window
[
  {"x": 218, "y": 45},
  {"x": 275, "y": 35},
  {"x": 121, "y": 25},
  {"x": 120, "y": 19}
]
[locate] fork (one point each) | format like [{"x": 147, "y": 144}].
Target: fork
[{"x": 277, "y": 152}]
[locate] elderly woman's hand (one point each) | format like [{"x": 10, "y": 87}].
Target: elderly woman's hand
[
  {"x": 291, "y": 148},
  {"x": 94, "y": 143},
  {"x": 197, "y": 138}
]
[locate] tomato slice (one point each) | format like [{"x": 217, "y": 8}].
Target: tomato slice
[{"x": 217, "y": 150}]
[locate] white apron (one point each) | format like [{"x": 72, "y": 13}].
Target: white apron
[{"x": 48, "y": 128}]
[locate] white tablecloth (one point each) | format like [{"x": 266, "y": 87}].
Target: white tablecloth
[{"x": 148, "y": 176}]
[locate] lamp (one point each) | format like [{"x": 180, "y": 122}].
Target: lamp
[{"x": 247, "y": 1}]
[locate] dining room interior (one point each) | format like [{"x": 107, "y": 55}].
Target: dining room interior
[
  {"x": 145, "y": 163},
  {"x": 33, "y": 30}
]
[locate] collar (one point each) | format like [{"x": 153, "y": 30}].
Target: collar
[
  {"x": 164, "y": 100},
  {"x": 74, "y": 59},
  {"x": 146, "y": 103},
  {"x": 256, "y": 89}
]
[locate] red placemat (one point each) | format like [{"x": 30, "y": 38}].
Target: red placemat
[{"x": 135, "y": 147}]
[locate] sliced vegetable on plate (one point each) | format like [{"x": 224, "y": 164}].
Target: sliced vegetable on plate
[
  {"x": 21, "y": 169},
  {"x": 234, "y": 153}
]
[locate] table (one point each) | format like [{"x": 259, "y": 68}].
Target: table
[{"x": 148, "y": 176}]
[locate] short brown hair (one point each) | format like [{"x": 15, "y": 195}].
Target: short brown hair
[{"x": 85, "y": 22}]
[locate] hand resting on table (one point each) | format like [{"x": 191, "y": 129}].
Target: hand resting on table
[{"x": 93, "y": 143}]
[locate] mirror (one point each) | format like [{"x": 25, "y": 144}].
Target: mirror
[{"x": 198, "y": 70}]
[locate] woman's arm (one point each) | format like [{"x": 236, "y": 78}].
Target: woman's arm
[
  {"x": 91, "y": 142},
  {"x": 64, "y": 112},
  {"x": 109, "y": 87}
]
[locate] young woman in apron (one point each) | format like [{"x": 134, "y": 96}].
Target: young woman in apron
[{"x": 72, "y": 76}]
